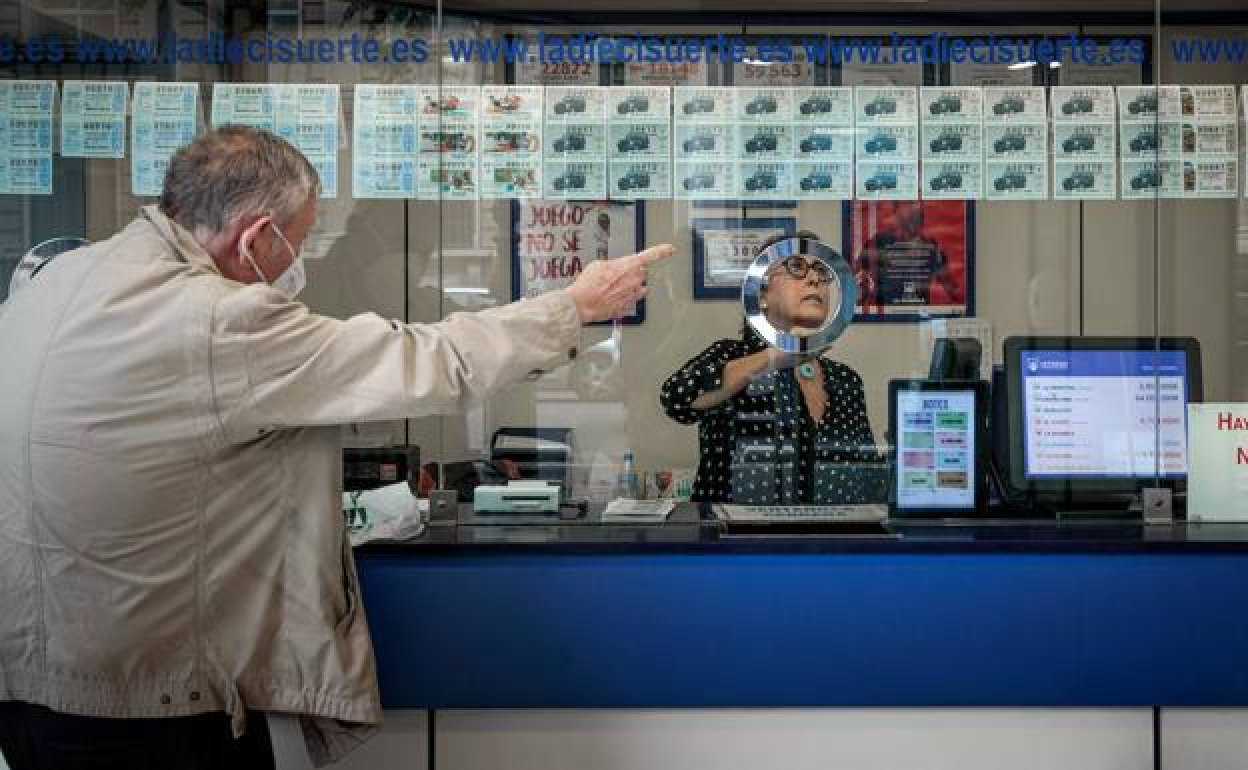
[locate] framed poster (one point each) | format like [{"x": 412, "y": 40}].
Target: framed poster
[
  {"x": 913, "y": 260},
  {"x": 1116, "y": 62},
  {"x": 885, "y": 65},
  {"x": 560, "y": 64},
  {"x": 724, "y": 248},
  {"x": 974, "y": 74},
  {"x": 782, "y": 60},
  {"x": 1002, "y": 61},
  {"x": 552, "y": 241},
  {"x": 679, "y": 71}
]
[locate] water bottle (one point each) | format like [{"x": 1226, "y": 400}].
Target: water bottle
[{"x": 627, "y": 486}]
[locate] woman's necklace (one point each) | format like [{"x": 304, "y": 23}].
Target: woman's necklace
[{"x": 806, "y": 370}]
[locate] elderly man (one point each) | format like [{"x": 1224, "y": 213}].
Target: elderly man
[{"x": 171, "y": 540}]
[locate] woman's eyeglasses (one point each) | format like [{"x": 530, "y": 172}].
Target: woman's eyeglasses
[{"x": 797, "y": 267}]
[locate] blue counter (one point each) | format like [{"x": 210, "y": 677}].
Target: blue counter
[{"x": 1017, "y": 614}]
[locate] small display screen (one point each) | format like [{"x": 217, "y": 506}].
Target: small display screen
[{"x": 935, "y": 449}]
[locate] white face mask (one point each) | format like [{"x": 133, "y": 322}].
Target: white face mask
[{"x": 293, "y": 279}]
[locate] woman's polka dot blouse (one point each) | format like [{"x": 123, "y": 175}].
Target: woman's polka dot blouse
[{"x": 827, "y": 451}]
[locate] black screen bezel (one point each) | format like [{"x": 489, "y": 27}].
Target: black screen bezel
[
  {"x": 1075, "y": 490},
  {"x": 980, "y": 390}
]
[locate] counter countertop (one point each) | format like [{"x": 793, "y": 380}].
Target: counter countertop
[{"x": 687, "y": 531}]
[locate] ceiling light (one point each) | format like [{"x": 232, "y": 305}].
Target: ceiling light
[{"x": 1021, "y": 65}]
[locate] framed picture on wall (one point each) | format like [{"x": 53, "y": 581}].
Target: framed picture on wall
[
  {"x": 979, "y": 74},
  {"x": 553, "y": 241},
  {"x": 891, "y": 65},
  {"x": 913, "y": 260},
  {"x": 558, "y": 67},
  {"x": 724, "y": 248},
  {"x": 641, "y": 71},
  {"x": 779, "y": 61},
  {"x": 1115, "y": 62}
]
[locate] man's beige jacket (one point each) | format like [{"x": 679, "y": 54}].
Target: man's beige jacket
[{"x": 171, "y": 534}]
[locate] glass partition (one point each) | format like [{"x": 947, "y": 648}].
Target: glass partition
[
  {"x": 1200, "y": 247},
  {"x": 974, "y": 176}
]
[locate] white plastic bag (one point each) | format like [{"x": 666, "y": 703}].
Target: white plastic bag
[{"x": 385, "y": 513}]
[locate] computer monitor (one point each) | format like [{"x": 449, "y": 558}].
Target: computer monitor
[
  {"x": 1085, "y": 423},
  {"x": 955, "y": 358}
]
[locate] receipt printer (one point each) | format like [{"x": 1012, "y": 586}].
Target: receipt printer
[{"x": 517, "y": 497}]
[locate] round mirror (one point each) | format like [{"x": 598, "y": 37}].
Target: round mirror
[
  {"x": 799, "y": 295},
  {"x": 34, "y": 260}
]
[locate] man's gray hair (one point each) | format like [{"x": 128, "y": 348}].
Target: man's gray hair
[{"x": 232, "y": 172}]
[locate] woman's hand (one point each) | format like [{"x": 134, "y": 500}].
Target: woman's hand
[
  {"x": 778, "y": 359},
  {"x": 739, "y": 372}
]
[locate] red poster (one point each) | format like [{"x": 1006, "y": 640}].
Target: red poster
[{"x": 912, "y": 259}]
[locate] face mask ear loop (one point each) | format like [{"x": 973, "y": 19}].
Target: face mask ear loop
[
  {"x": 281, "y": 236},
  {"x": 246, "y": 252}
]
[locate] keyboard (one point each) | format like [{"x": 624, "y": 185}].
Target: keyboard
[{"x": 800, "y": 513}]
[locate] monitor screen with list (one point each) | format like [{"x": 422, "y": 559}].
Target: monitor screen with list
[{"x": 1103, "y": 413}]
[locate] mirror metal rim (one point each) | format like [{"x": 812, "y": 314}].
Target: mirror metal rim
[{"x": 838, "y": 268}]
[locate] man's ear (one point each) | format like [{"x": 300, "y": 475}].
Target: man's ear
[{"x": 246, "y": 230}]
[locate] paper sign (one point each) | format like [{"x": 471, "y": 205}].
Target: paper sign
[
  {"x": 386, "y": 138},
  {"x": 639, "y": 143},
  {"x": 531, "y": 71},
  {"x": 164, "y": 116},
  {"x": 760, "y": 66},
  {"x": 952, "y": 142},
  {"x": 765, "y": 143},
  {"x": 1103, "y": 67},
  {"x": 449, "y": 128},
  {"x": 704, "y": 143},
  {"x": 93, "y": 119},
  {"x": 1217, "y": 477},
  {"x": 823, "y": 143},
  {"x": 575, "y": 143},
  {"x": 1016, "y": 156},
  {"x": 511, "y": 141},
  {"x": 555, "y": 240},
  {"x": 1209, "y": 141},
  {"x": 886, "y": 144},
  {"x": 1084, "y": 149},
  {"x": 304, "y": 114},
  {"x": 26, "y": 136}
]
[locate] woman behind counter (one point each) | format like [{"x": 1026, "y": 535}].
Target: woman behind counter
[{"x": 818, "y": 404}]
